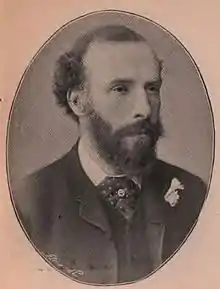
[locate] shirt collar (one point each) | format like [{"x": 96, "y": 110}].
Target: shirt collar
[{"x": 95, "y": 173}]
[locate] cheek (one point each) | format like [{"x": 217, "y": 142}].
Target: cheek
[
  {"x": 115, "y": 110},
  {"x": 155, "y": 104}
]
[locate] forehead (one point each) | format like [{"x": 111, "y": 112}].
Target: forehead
[{"x": 112, "y": 60}]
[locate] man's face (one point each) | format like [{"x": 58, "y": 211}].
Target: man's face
[{"x": 123, "y": 86}]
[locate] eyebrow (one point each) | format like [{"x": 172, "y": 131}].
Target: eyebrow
[
  {"x": 128, "y": 81},
  {"x": 121, "y": 81},
  {"x": 157, "y": 81}
]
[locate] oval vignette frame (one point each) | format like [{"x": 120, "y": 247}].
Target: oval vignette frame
[{"x": 209, "y": 106}]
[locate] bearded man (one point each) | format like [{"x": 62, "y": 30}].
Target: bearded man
[{"x": 109, "y": 211}]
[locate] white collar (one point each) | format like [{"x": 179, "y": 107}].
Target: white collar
[{"x": 95, "y": 173}]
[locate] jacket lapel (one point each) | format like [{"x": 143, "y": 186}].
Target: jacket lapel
[
  {"x": 90, "y": 207},
  {"x": 92, "y": 211}
]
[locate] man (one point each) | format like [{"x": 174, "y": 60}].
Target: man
[{"x": 109, "y": 211}]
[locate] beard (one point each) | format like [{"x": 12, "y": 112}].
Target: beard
[{"x": 131, "y": 149}]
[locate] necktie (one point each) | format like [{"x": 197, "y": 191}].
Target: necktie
[{"x": 121, "y": 193}]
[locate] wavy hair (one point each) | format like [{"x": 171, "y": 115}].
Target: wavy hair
[{"x": 69, "y": 70}]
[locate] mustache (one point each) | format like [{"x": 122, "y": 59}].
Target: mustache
[{"x": 145, "y": 127}]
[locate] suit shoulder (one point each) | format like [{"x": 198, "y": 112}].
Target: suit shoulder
[
  {"x": 168, "y": 171},
  {"x": 38, "y": 195},
  {"x": 191, "y": 196},
  {"x": 54, "y": 173},
  {"x": 182, "y": 217}
]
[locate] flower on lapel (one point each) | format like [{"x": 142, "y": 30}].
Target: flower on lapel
[{"x": 172, "y": 195}]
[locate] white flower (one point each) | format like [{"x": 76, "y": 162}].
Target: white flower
[{"x": 172, "y": 195}]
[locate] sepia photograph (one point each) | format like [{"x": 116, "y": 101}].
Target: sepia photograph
[{"x": 110, "y": 148}]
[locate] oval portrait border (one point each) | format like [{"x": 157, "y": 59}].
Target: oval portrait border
[{"x": 55, "y": 34}]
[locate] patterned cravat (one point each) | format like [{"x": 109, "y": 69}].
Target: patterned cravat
[{"x": 121, "y": 193}]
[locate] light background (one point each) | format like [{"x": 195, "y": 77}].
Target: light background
[
  {"x": 26, "y": 27},
  {"x": 40, "y": 132}
]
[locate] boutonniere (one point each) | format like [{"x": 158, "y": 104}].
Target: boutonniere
[{"x": 172, "y": 195}]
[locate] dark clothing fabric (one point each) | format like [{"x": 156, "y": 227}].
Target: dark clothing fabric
[
  {"x": 130, "y": 242},
  {"x": 66, "y": 221}
]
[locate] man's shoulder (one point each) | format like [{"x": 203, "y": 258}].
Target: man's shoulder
[
  {"x": 182, "y": 196},
  {"x": 55, "y": 172},
  {"x": 190, "y": 188},
  {"x": 42, "y": 194},
  {"x": 47, "y": 183},
  {"x": 166, "y": 172}
]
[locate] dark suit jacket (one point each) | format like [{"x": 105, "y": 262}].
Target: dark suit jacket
[{"x": 62, "y": 215}]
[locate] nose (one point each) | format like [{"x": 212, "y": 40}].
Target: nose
[{"x": 142, "y": 107}]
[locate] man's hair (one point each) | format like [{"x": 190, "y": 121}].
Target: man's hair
[{"x": 69, "y": 70}]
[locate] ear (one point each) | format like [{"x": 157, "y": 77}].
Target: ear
[{"x": 76, "y": 101}]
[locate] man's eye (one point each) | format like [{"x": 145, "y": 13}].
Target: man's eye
[
  {"x": 122, "y": 89},
  {"x": 153, "y": 88}
]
